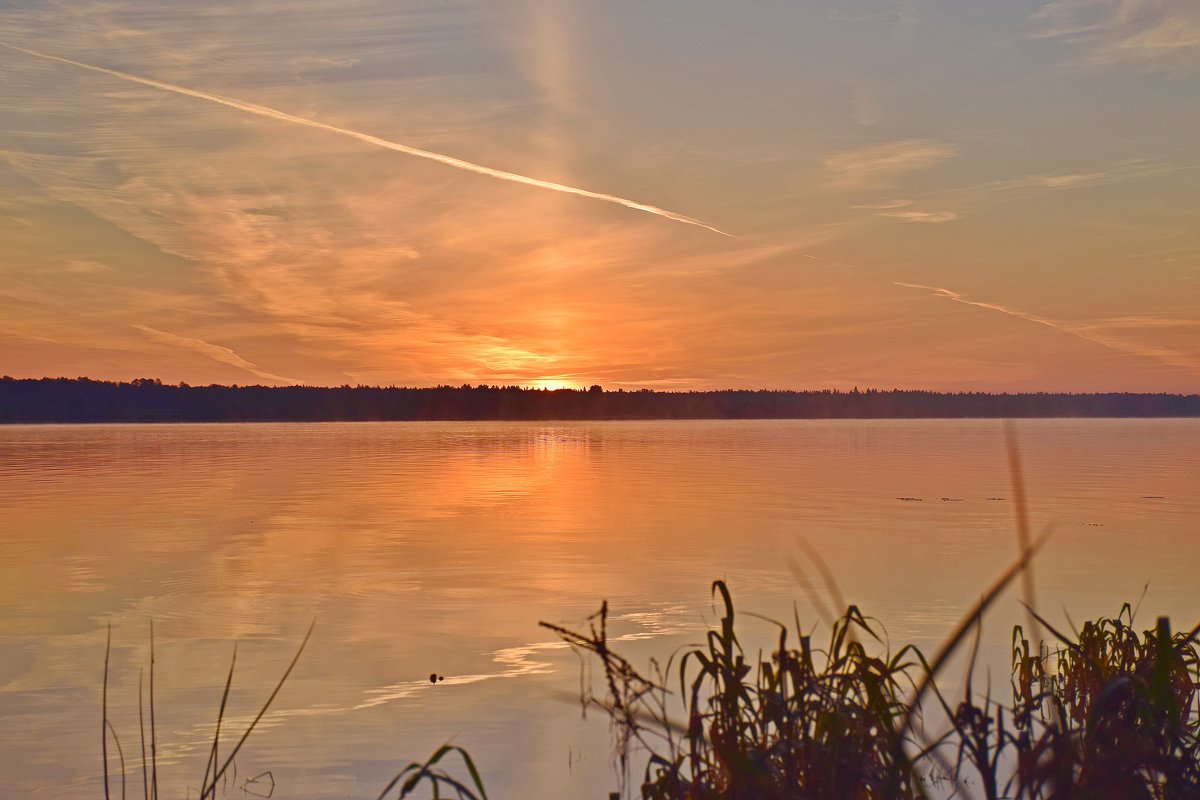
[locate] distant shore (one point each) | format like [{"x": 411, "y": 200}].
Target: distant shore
[{"x": 82, "y": 400}]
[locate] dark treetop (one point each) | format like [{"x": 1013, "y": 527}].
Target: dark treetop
[{"x": 148, "y": 400}]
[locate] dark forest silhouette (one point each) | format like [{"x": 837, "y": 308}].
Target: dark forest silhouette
[{"x": 149, "y": 400}]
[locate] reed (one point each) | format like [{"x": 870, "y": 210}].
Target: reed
[
  {"x": 1105, "y": 711},
  {"x": 1108, "y": 711},
  {"x": 416, "y": 775}
]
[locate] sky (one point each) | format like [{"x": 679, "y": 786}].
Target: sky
[{"x": 674, "y": 194}]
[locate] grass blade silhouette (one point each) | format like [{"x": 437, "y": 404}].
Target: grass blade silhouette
[
  {"x": 153, "y": 731},
  {"x": 142, "y": 731},
  {"x": 414, "y": 773},
  {"x": 104, "y": 711},
  {"x": 120, "y": 756},
  {"x": 969, "y": 620},
  {"x": 211, "y": 789},
  {"x": 213, "y": 759}
]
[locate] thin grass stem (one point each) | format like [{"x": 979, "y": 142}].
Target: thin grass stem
[
  {"x": 210, "y": 790},
  {"x": 104, "y": 711}
]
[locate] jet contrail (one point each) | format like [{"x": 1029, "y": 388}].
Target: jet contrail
[
  {"x": 450, "y": 161},
  {"x": 214, "y": 351},
  {"x": 1170, "y": 358}
]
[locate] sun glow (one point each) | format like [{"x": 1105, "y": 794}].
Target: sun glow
[{"x": 553, "y": 383}]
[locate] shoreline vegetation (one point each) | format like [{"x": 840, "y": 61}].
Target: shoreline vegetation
[
  {"x": 1105, "y": 712},
  {"x": 82, "y": 400}
]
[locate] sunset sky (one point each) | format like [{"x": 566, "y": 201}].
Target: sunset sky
[{"x": 676, "y": 194}]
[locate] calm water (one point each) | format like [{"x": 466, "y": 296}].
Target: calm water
[{"x": 428, "y": 548}]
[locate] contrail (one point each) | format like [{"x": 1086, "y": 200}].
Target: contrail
[
  {"x": 450, "y": 161},
  {"x": 214, "y": 351},
  {"x": 1170, "y": 358}
]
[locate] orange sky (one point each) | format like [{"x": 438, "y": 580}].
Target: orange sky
[{"x": 919, "y": 194}]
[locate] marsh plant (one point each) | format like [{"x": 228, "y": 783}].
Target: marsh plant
[
  {"x": 821, "y": 720},
  {"x": 1108, "y": 711},
  {"x": 220, "y": 766}
]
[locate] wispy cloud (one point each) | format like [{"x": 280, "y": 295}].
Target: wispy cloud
[
  {"x": 926, "y": 217},
  {"x": 1131, "y": 169},
  {"x": 1089, "y": 331},
  {"x": 1060, "y": 181},
  {"x": 450, "y": 161},
  {"x": 1143, "y": 321},
  {"x": 885, "y": 204},
  {"x": 214, "y": 351},
  {"x": 1035, "y": 184},
  {"x": 1155, "y": 33},
  {"x": 75, "y": 266},
  {"x": 902, "y": 15},
  {"x": 881, "y": 165}
]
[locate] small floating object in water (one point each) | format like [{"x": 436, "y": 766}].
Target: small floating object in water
[
  {"x": 910, "y": 499},
  {"x": 1152, "y": 497},
  {"x": 996, "y": 498},
  {"x": 434, "y": 677},
  {"x": 951, "y": 499}
]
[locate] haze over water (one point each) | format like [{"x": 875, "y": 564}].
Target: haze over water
[{"x": 426, "y": 548}]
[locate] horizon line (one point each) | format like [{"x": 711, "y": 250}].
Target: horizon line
[{"x": 599, "y": 389}]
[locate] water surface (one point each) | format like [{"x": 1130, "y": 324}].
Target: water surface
[{"x": 437, "y": 547}]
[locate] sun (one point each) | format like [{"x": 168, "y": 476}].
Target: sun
[{"x": 552, "y": 384}]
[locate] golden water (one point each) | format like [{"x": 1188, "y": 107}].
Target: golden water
[{"x": 423, "y": 547}]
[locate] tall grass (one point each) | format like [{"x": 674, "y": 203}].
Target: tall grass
[
  {"x": 217, "y": 770},
  {"x": 822, "y": 718},
  {"x": 1109, "y": 711}
]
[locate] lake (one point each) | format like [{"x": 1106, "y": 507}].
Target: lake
[{"x": 437, "y": 547}]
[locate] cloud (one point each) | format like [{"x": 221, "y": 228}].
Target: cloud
[
  {"x": 882, "y": 164},
  {"x": 450, "y": 161},
  {"x": 1141, "y": 322},
  {"x": 927, "y": 217},
  {"x": 883, "y": 205},
  {"x": 1154, "y": 33},
  {"x": 75, "y": 266},
  {"x": 1064, "y": 181},
  {"x": 341, "y": 270},
  {"x": 902, "y": 15},
  {"x": 84, "y": 266},
  {"x": 213, "y": 351},
  {"x": 1033, "y": 185}
]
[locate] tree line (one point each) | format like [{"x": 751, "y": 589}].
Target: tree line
[{"x": 49, "y": 400}]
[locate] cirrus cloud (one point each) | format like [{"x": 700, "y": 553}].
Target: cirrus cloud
[
  {"x": 1154, "y": 33},
  {"x": 881, "y": 165},
  {"x": 927, "y": 217}
]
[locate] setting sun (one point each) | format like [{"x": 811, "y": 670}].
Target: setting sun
[{"x": 552, "y": 384}]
